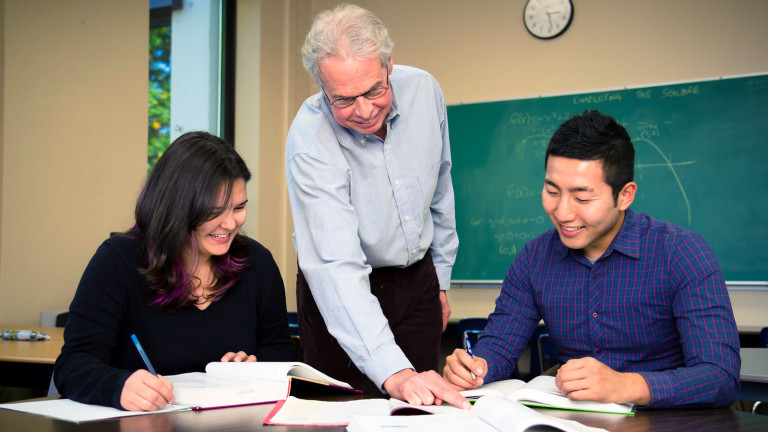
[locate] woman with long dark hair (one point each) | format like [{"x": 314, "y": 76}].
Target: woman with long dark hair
[{"x": 183, "y": 280}]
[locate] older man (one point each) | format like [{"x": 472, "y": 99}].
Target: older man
[{"x": 368, "y": 168}]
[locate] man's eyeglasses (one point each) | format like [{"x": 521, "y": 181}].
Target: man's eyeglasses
[{"x": 371, "y": 94}]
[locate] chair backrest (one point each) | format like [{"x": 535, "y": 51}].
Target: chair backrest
[
  {"x": 762, "y": 341},
  {"x": 61, "y": 319},
  {"x": 469, "y": 328},
  {"x": 293, "y": 323},
  {"x": 543, "y": 351},
  {"x": 293, "y": 329}
]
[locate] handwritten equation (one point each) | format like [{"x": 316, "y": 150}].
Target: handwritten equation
[{"x": 510, "y": 233}]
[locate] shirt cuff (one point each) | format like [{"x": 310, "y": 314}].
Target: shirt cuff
[
  {"x": 384, "y": 363},
  {"x": 662, "y": 390},
  {"x": 444, "y": 277}
]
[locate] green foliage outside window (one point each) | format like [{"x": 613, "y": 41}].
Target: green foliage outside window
[{"x": 159, "y": 93}]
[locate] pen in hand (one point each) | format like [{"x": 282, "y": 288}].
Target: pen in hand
[
  {"x": 469, "y": 351},
  {"x": 144, "y": 357}
]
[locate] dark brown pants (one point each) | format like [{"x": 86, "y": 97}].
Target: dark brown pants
[{"x": 409, "y": 299}]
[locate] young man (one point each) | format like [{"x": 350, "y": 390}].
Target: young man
[
  {"x": 637, "y": 307},
  {"x": 368, "y": 167}
]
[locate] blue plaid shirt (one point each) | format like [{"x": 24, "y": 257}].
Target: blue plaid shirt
[{"x": 655, "y": 303}]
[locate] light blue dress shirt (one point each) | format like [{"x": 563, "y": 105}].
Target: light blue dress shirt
[{"x": 360, "y": 202}]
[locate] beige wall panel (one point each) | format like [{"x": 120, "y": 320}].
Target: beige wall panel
[{"x": 74, "y": 142}]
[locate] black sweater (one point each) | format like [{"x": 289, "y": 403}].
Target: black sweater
[{"x": 113, "y": 301}]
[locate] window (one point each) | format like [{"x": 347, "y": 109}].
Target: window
[{"x": 191, "y": 71}]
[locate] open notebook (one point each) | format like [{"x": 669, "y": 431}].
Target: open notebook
[{"x": 542, "y": 391}]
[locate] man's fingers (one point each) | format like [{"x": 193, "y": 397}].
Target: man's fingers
[
  {"x": 464, "y": 382},
  {"x": 413, "y": 399},
  {"x": 441, "y": 391},
  {"x": 460, "y": 367}
]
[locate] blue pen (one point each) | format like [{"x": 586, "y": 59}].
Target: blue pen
[
  {"x": 143, "y": 355},
  {"x": 469, "y": 351}
]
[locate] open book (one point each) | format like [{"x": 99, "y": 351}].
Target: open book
[
  {"x": 490, "y": 414},
  {"x": 301, "y": 412},
  {"x": 542, "y": 391},
  {"x": 232, "y": 384}
]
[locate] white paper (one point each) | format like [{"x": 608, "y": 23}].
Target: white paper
[
  {"x": 69, "y": 410},
  {"x": 427, "y": 423}
]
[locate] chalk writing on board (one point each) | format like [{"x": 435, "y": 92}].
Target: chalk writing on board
[
  {"x": 510, "y": 232},
  {"x": 509, "y": 240},
  {"x": 517, "y": 191},
  {"x": 669, "y": 165},
  {"x": 650, "y": 130},
  {"x": 676, "y": 92},
  {"x": 526, "y": 118},
  {"x": 591, "y": 99},
  {"x": 502, "y": 221}
]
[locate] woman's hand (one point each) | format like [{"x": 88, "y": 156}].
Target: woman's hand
[
  {"x": 143, "y": 391},
  {"x": 239, "y": 356}
]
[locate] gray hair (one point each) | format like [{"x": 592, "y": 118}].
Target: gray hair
[{"x": 345, "y": 31}]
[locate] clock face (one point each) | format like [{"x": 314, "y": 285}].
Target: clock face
[{"x": 546, "y": 19}]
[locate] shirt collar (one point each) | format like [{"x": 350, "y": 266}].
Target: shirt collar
[
  {"x": 393, "y": 110},
  {"x": 625, "y": 241}
]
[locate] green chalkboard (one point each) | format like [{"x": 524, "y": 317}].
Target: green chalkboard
[{"x": 701, "y": 159}]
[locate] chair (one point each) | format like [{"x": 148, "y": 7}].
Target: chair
[
  {"x": 293, "y": 329},
  {"x": 761, "y": 407},
  {"x": 61, "y": 321},
  {"x": 293, "y": 323},
  {"x": 543, "y": 351},
  {"x": 469, "y": 329}
]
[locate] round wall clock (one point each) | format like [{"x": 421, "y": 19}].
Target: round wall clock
[{"x": 547, "y": 19}]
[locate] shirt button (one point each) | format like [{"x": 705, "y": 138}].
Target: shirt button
[
  {"x": 414, "y": 251},
  {"x": 407, "y": 218},
  {"x": 397, "y": 182},
  {"x": 362, "y": 141},
  {"x": 594, "y": 314},
  {"x": 594, "y": 277}
]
